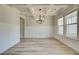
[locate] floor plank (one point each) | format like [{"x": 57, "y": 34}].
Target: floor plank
[{"x": 40, "y": 47}]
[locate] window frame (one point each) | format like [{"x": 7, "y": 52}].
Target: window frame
[
  {"x": 71, "y": 22},
  {"x": 65, "y": 25}
]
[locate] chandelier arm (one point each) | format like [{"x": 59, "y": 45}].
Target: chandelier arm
[{"x": 40, "y": 21}]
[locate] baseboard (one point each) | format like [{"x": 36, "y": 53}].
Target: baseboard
[{"x": 39, "y": 38}]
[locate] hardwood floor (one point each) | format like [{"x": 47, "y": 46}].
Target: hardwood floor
[{"x": 39, "y": 47}]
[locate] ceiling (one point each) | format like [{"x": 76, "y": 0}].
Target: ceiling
[{"x": 33, "y": 9}]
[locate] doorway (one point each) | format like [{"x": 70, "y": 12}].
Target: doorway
[{"x": 22, "y": 28}]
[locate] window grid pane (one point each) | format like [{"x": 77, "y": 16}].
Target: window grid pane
[
  {"x": 74, "y": 19},
  {"x": 72, "y": 31},
  {"x": 71, "y": 18},
  {"x": 60, "y": 21},
  {"x": 60, "y": 26},
  {"x": 61, "y": 29}
]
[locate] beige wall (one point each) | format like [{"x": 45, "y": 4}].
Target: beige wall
[
  {"x": 35, "y": 30},
  {"x": 9, "y": 27}
]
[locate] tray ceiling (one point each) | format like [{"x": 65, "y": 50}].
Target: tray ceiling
[{"x": 33, "y": 9}]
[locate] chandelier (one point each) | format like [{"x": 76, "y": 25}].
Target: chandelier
[{"x": 40, "y": 17}]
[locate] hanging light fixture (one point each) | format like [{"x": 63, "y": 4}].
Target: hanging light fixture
[{"x": 41, "y": 16}]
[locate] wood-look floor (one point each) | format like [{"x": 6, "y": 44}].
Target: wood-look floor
[{"x": 39, "y": 47}]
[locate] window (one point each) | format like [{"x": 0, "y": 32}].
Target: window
[
  {"x": 60, "y": 26},
  {"x": 71, "y": 25}
]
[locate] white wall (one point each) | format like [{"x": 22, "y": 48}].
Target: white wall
[
  {"x": 35, "y": 30},
  {"x": 9, "y": 27}
]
